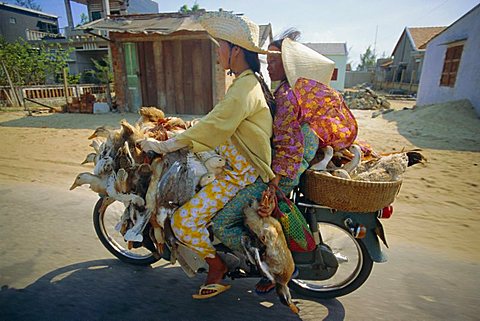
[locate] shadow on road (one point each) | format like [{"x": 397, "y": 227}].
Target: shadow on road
[{"x": 111, "y": 290}]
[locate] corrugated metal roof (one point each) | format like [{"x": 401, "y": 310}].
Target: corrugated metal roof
[
  {"x": 28, "y": 10},
  {"x": 161, "y": 23},
  {"x": 147, "y": 23},
  {"x": 329, "y": 48}
]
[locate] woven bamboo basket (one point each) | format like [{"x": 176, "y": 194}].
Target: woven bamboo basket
[{"x": 348, "y": 195}]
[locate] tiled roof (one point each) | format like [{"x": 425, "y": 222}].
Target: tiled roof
[
  {"x": 334, "y": 48},
  {"x": 422, "y": 35}
]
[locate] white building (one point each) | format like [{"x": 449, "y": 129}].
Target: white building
[
  {"x": 451, "y": 69},
  {"x": 338, "y": 53}
]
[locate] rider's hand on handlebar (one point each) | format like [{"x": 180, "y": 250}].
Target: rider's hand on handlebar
[
  {"x": 160, "y": 147},
  {"x": 151, "y": 144}
]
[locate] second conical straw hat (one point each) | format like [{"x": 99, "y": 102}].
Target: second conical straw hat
[{"x": 300, "y": 61}]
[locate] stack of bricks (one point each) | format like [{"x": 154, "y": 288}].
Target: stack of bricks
[
  {"x": 86, "y": 103},
  {"x": 74, "y": 106}
]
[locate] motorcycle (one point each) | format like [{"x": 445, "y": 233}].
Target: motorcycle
[{"x": 347, "y": 245}]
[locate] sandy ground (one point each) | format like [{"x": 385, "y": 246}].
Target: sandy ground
[{"x": 438, "y": 205}]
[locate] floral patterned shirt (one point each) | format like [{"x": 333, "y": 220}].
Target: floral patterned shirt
[{"x": 319, "y": 105}]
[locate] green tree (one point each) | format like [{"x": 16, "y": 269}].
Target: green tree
[
  {"x": 83, "y": 19},
  {"x": 103, "y": 71},
  {"x": 186, "y": 9},
  {"x": 103, "y": 74},
  {"x": 32, "y": 64},
  {"x": 367, "y": 60},
  {"x": 28, "y": 4}
]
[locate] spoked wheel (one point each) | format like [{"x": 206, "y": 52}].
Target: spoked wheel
[
  {"x": 354, "y": 265},
  {"x": 105, "y": 218}
]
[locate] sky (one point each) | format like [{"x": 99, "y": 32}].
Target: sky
[{"x": 359, "y": 23}]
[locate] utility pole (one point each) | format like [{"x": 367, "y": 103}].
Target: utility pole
[
  {"x": 68, "y": 8},
  {"x": 375, "y": 43}
]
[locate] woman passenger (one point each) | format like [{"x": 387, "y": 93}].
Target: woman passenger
[{"x": 309, "y": 115}]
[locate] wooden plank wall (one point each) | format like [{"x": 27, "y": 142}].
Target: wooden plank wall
[
  {"x": 147, "y": 73},
  {"x": 176, "y": 75}
]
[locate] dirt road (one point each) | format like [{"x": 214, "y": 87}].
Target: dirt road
[{"x": 53, "y": 267}]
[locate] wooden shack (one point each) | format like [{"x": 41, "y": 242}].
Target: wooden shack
[{"x": 165, "y": 60}]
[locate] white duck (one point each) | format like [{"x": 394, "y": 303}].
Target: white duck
[
  {"x": 97, "y": 184},
  {"x": 322, "y": 165},
  {"x": 357, "y": 157},
  {"x": 90, "y": 158}
]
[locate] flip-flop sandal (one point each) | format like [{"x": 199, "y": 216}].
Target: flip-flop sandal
[
  {"x": 265, "y": 283},
  {"x": 210, "y": 290}
]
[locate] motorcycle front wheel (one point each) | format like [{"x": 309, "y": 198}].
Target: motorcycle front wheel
[
  {"x": 105, "y": 218},
  {"x": 354, "y": 265}
]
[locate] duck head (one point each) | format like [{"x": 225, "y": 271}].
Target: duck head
[
  {"x": 81, "y": 179},
  {"x": 215, "y": 164},
  {"x": 357, "y": 156},
  {"x": 90, "y": 158},
  {"x": 100, "y": 132}
]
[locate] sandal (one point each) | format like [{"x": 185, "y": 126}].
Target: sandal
[
  {"x": 210, "y": 290},
  {"x": 265, "y": 285}
]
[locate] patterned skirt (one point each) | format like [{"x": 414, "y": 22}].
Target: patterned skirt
[
  {"x": 228, "y": 224},
  {"x": 190, "y": 221}
]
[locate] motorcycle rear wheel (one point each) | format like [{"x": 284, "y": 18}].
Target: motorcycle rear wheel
[
  {"x": 104, "y": 223},
  {"x": 354, "y": 265}
]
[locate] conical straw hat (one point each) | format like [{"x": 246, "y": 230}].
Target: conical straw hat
[
  {"x": 299, "y": 61},
  {"x": 233, "y": 28}
]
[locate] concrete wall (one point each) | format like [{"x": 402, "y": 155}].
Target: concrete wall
[
  {"x": 23, "y": 20},
  {"x": 467, "y": 85},
  {"x": 341, "y": 65},
  {"x": 353, "y": 78},
  {"x": 412, "y": 60},
  {"x": 82, "y": 60}
]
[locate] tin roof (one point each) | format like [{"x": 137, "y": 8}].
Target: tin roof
[
  {"x": 28, "y": 10},
  {"x": 159, "y": 23}
]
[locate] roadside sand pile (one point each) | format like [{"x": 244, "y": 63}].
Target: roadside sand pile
[{"x": 453, "y": 125}]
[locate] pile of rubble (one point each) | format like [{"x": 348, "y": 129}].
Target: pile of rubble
[{"x": 365, "y": 99}]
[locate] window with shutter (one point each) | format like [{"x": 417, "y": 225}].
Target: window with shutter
[
  {"x": 335, "y": 74},
  {"x": 450, "y": 66}
]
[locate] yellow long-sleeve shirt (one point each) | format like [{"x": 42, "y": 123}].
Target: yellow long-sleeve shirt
[{"x": 243, "y": 115}]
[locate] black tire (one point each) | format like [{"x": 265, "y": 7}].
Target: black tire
[
  {"x": 112, "y": 239},
  {"x": 332, "y": 288}
]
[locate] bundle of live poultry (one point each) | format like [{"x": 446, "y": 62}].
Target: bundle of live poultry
[
  {"x": 356, "y": 164},
  {"x": 123, "y": 172}
]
